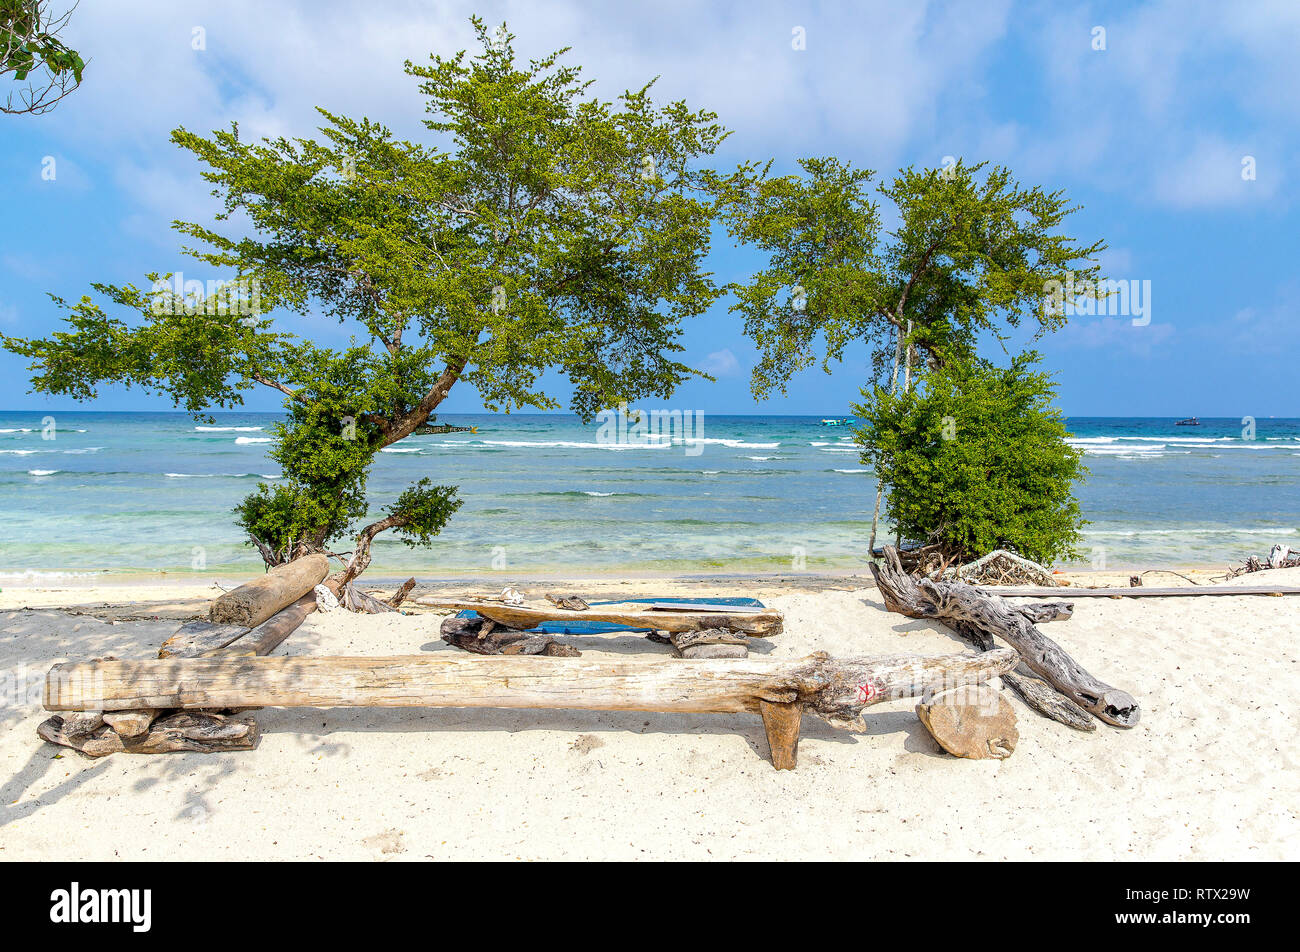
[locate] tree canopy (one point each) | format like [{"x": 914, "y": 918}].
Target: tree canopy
[
  {"x": 971, "y": 254},
  {"x": 30, "y": 45},
  {"x": 540, "y": 229}
]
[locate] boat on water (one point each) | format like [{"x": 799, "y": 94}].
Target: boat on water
[
  {"x": 1190, "y": 421},
  {"x": 839, "y": 421},
  {"x": 435, "y": 428}
]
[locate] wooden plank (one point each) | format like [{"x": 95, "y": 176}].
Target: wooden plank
[
  {"x": 762, "y": 624},
  {"x": 195, "y": 638},
  {"x": 832, "y": 688},
  {"x": 1069, "y": 591},
  {"x": 781, "y": 723}
]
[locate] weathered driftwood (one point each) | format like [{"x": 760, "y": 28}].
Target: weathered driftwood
[
  {"x": 195, "y": 638},
  {"x": 254, "y": 602},
  {"x": 781, "y": 723},
  {"x": 1002, "y": 567},
  {"x": 481, "y": 636},
  {"x": 834, "y": 689},
  {"x": 400, "y": 595},
  {"x": 199, "y": 731},
  {"x": 571, "y": 602},
  {"x": 268, "y": 636},
  {"x": 1043, "y": 612},
  {"x": 1185, "y": 591},
  {"x": 760, "y": 624},
  {"x": 978, "y": 617},
  {"x": 975, "y": 722},
  {"x": 358, "y": 601}
]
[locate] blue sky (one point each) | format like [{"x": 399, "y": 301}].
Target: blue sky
[{"x": 1149, "y": 134}]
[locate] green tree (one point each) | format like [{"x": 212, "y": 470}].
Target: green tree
[
  {"x": 972, "y": 256},
  {"x": 543, "y": 230},
  {"x": 30, "y": 44},
  {"x": 976, "y": 459}
]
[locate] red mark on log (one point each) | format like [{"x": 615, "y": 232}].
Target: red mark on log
[{"x": 866, "y": 692}]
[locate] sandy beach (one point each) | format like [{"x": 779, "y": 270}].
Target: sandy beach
[{"x": 1209, "y": 773}]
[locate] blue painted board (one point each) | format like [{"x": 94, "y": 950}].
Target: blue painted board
[{"x": 601, "y": 628}]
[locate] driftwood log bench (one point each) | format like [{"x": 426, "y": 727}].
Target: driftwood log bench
[
  {"x": 198, "y": 693},
  {"x": 89, "y": 694}
]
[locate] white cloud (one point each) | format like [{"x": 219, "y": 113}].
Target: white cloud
[
  {"x": 1117, "y": 333},
  {"x": 722, "y": 363}
]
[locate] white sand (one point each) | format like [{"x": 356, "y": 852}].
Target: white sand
[{"x": 1210, "y": 772}]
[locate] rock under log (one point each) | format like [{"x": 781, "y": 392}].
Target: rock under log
[
  {"x": 975, "y": 722},
  {"x": 712, "y": 651},
  {"x": 254, "y": 602},
  {"x": 709, "y": 643},
  {"x": 130, "y": 723},
  {"x": 978, "y": 617}
]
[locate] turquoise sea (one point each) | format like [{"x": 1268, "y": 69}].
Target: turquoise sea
[{"x": 121, "y": 493}]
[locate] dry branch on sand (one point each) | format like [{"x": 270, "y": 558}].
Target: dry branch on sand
[{"x": 1066, "y": 690}]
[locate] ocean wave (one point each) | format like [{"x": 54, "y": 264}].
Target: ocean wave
[
  {"x": 36, "y": 429},
  {"x": 400, "y": 449},
  {"x": 567, "y": 444},
  {"x": 23, "y": 452},
  {"x": 87, "y": 449},
  {"x": 228, "y": 429},
  {"x": 1127, "y": 533},
  {"x": 732, "y": 443},
  {"x": 850, "y": 471},
  {"x": 760, "y": 459},
  {"x": 241, "y": 440},
  {"x": 41, "y": 472},
  {"x": 31, "y": 575},
  {"x": 206, "y": 475}
]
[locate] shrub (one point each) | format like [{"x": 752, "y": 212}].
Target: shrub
[{"x": 976, "y": 459}]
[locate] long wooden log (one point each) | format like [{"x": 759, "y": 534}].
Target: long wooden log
[
  {"x": 268, "y": 636},
  {"x": 1184, "y": 591},
  {"x": 835, "y": 689},
  {"x": 761, "y": 624},
  {"x": 254, "y": 602},
  {"x": 979, "y": 617}
]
